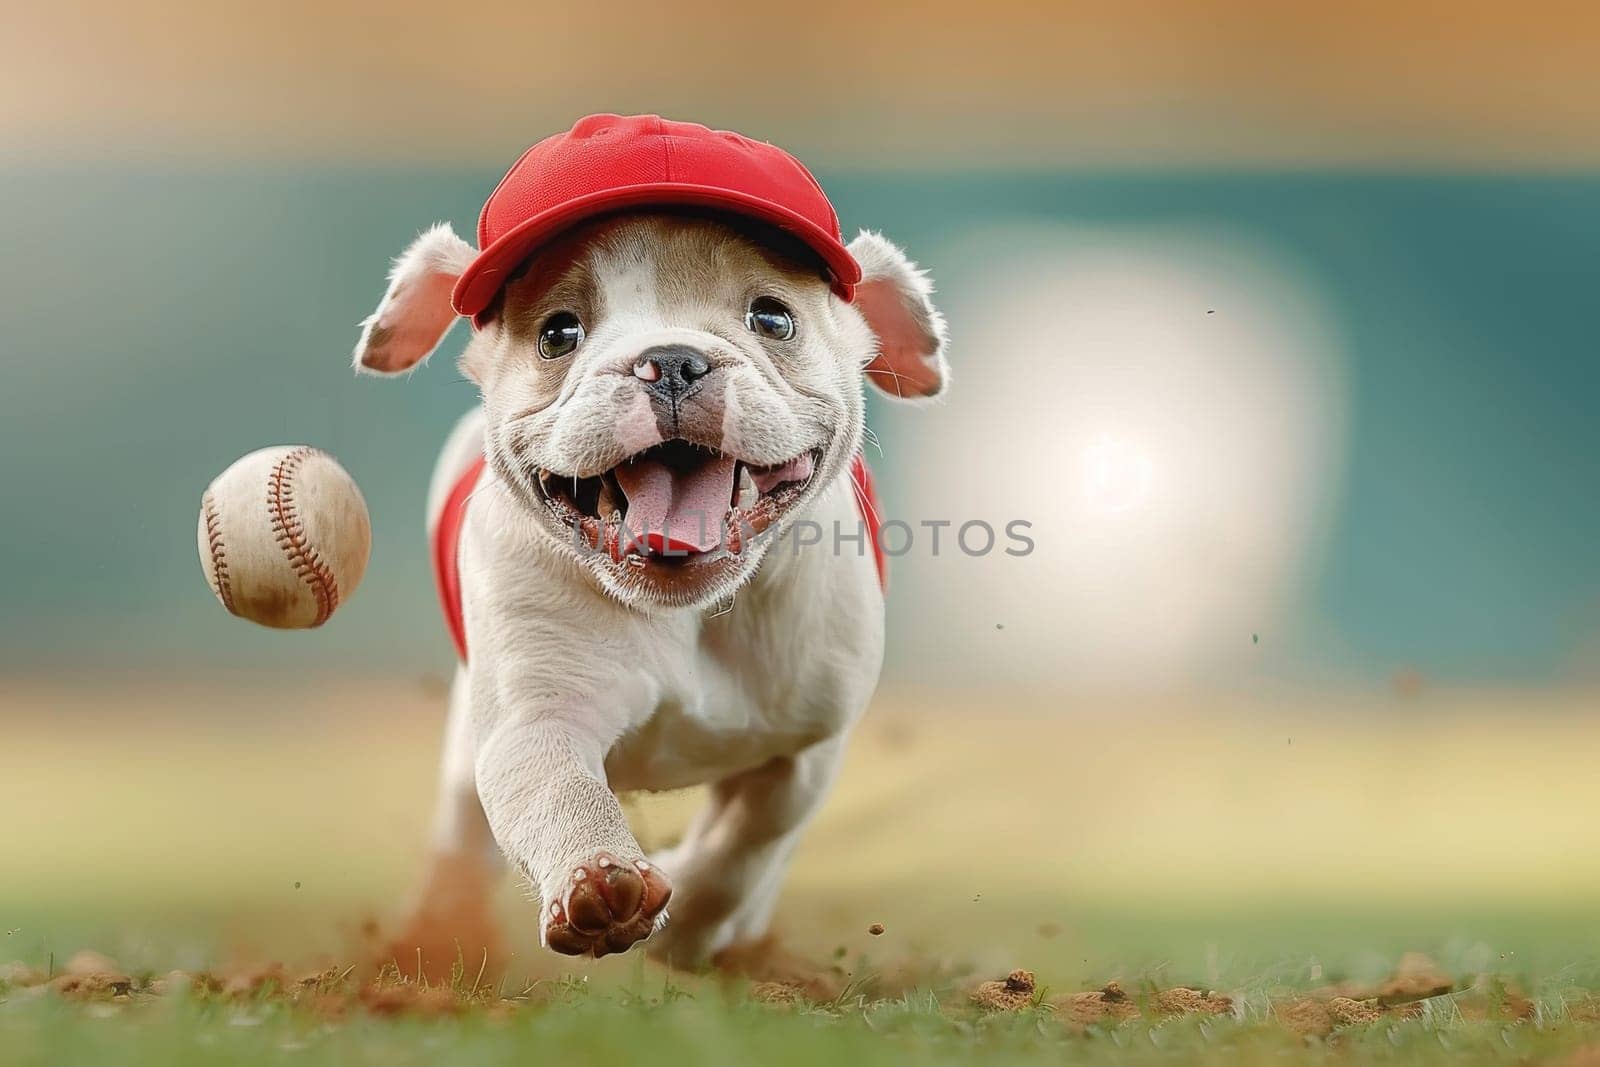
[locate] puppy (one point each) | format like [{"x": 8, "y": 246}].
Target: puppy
[{"x": 667, "y": 391}]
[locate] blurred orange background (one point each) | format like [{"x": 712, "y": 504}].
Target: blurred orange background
[{"x": 1237, "y": 82}]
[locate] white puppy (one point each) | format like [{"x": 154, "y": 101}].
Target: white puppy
[{"x": 665, "y": 394}]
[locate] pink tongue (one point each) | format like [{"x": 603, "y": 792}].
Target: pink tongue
[{"x": 676, "y": 511}]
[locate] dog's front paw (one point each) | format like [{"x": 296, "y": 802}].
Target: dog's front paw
[{"x": 609, "y": 906}]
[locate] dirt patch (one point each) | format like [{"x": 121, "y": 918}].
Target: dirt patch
[
  {"x": 328, "y": 992},
  {"x": 1110, "y": 1003},
  {"x": 1401, "y": 997},
  {"x": 101, "y": 986},
  {"x": 1314, "y": 1017},
  {"x": 92, "y": 976},
  {"x": 1416, "y": 977},
  {"x": 777, "y": 993},
  {"x": 407, "y": 998},
  {"x": 450, "y": 931},
  {"x": 1182, "y": 1000},
  {"x": 769, "y": 965},
  {"x": 1012, "y": 993},
  {"x": 785, "y": 979}
]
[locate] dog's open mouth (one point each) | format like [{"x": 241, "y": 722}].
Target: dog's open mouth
[{"x": 676, "y": 502}]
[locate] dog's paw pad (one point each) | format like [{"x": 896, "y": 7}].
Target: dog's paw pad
[{"x": 609, "y": 906}]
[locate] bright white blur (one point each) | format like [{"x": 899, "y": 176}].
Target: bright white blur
[{"x": 1165, "y": 408}]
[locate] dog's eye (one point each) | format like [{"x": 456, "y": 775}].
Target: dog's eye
[
  {"x": 560, "y": 334},
  {"x": 769, "y": 318}
]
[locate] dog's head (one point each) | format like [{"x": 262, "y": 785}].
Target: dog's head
[{"x": 665, "y": 392}]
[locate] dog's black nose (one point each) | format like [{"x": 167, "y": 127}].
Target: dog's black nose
[{"x": 671, "y": 370}]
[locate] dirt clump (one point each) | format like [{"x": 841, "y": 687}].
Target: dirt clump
[
  {"x": 328, "y": 992},
  {"x": 1348, "y": 1012},
  {"x": 1416, "y": 977},
  {"x": 99, "y": 986},
  {"x": 1109, "y": 1003},
  {"x": 1314, "y": 1017},
  {"x": 777, "y": 992},
  {"x": 91, "y": 976},
  {"x": 1305, "y": 1016},
  {"x": 1012, "y": 993},
  {"x": 1184, "y": 1000},
  {"x": 1112, "y": 1004}
]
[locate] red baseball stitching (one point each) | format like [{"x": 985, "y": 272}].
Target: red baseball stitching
[
  {"x": 291, "y": 534},
  {"x": 219, "y": 555}
]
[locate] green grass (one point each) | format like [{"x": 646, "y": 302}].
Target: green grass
[
  {"x": 651, "y": 1019},
  {"x": 897, "y": 1006}
]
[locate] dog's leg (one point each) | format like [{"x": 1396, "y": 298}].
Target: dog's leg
[
  {"x": 730, "y": 866},
  {"x": 459, "y": 824},
  {"x": 542, "y": 781},
  {"x": 451, "y": 918}
]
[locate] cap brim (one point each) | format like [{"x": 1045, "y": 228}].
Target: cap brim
[{"x": 476, "y": 288}]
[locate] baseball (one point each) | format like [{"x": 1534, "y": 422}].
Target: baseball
[{"x": 284, "y": 537}]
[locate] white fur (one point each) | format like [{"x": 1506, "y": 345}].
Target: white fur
[
  {"x": 576, "y": 689},
  {"x": 573, "y": 696}
]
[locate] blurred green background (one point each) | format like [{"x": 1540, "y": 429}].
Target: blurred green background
[
  {"x": 158, "y": 325},
  {"x": 1363, "y": 241}
]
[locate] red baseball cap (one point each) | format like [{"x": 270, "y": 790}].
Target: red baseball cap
[{"x": 609, "y": 162}]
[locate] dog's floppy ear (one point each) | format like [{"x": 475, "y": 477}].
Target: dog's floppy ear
[
  {"x": 894, "y": 296},
  {"x": 415, "y": 314}
]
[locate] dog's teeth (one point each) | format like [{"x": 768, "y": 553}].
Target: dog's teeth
[
  {"x": 606, "y": 503},
  {"x": 747, "y": 493}
]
